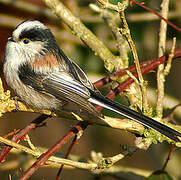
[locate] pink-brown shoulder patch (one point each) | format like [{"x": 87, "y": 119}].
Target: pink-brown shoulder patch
[{"x": 48, "y": 61}]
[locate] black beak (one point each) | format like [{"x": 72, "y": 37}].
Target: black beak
[{"x": 11, "y": 39}]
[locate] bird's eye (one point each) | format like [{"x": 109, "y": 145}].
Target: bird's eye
[{"x": 26, "y": 40}]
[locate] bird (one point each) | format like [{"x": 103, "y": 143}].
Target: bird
[{"x": 40, "y": 73}]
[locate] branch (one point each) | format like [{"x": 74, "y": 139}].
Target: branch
[
  {"x": 52, "y": 159},
  {"x": 157, "y": 14},
  {"x": 127, "y": 34},
  {"x": 83, "y": 33},
  {"x": 161, "y": 51},
  {"x": 121, "y": 43},
  {"x": 7, "y": 104},
  {"x": 95, "y": 164}
]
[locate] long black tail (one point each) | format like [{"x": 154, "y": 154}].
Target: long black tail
[{"x": 131, "y": 114}]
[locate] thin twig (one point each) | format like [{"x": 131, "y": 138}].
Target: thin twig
[
  {"x": 168, "y": 157},
  {"x": 148, "y": 17},
  {"x": 52, "y": 159},
  {"x": 170, "y": 58},
  {"x": 127, "y": 34},
  {"x": 161, "y": 51},
  {"x": 128, "y": 151},
  {"x": 150, "y": 64},
  {"x": 43, "y": 158},
  {"x": 83, "y": 33},
  {"x": 74, "y": 141},
  {"x": 121, "y": 43},
  {"x": 27, "y": 138},
  {"x": 16, "y": 145},
  {"x": 92, "y": 165},
  {"x": 105, "y": 4},
  {"x": 157, "y": 14},
  {"x": 116, "y": 123},
  {"x": 22, "y": 133},
  {"x": 132, "y": 17}
]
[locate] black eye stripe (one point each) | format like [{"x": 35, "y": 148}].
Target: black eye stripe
[
  {"x": 43, "y": 35},
  {"x": 35, "y": 34}
]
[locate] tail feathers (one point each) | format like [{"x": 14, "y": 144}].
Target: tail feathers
[{"x": 104, "y": 102}]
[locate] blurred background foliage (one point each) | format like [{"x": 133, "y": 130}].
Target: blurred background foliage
[{"x": 144, "y": 29}]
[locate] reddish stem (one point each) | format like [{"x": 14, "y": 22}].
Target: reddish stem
[
  {"x": 118, "y": 73},
  {"x": 66, "y": 156},
  {"x": 147, "y": 66},
  {"x": 157, "y": 14},
  {"x": 144, "y": 69},
  {"x": 22, "y": 133},
  {"x": 168, "y": 157},
  {"x": 43, "y": 158},
  {"x": 153, "y": 62}
]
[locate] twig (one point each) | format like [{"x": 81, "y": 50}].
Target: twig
[
  {"x": 127, "y": 34},
  {"x": 11, "y": 133},
  {"x": 75, "y": 130},
  {"x": 43, "y": 158},
  {"x": 161, "y": 51},
  {"x": 16, "y": 145},
  {"x": 109, "y": 17},
  {"x": 74, "y": 141},
  {"x": 83, "y": 33},
  {"x": 92, "y": 165},
  {"x": 129, "y": 150},
  {"x": 27, "y": 138},
  {"x": 52, "y": 159},
  {"x": 161, "y": 17},
  {"x": 132, "y": 17},
  {"x": 121, "y": 43},
  {"x": 8, "y": 105},
  {"x": 168, "y": 157},
  {"x": 22, "y": 133},
  {"x": 103, "y": 163},
  {"x": 148, "y": 17},
  {"x": 116, "y": 123},
  {"x": 170, "y": 58},
  {"x": 150, "y": 64},
  {"x": 105, "y": 4},
  {"x": 10, "y": 177}
]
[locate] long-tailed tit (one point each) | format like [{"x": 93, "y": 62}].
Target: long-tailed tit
[{"x": 43, "y": 77}]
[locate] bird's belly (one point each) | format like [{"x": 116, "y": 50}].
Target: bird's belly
[{"x": 35, "y": 98}]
